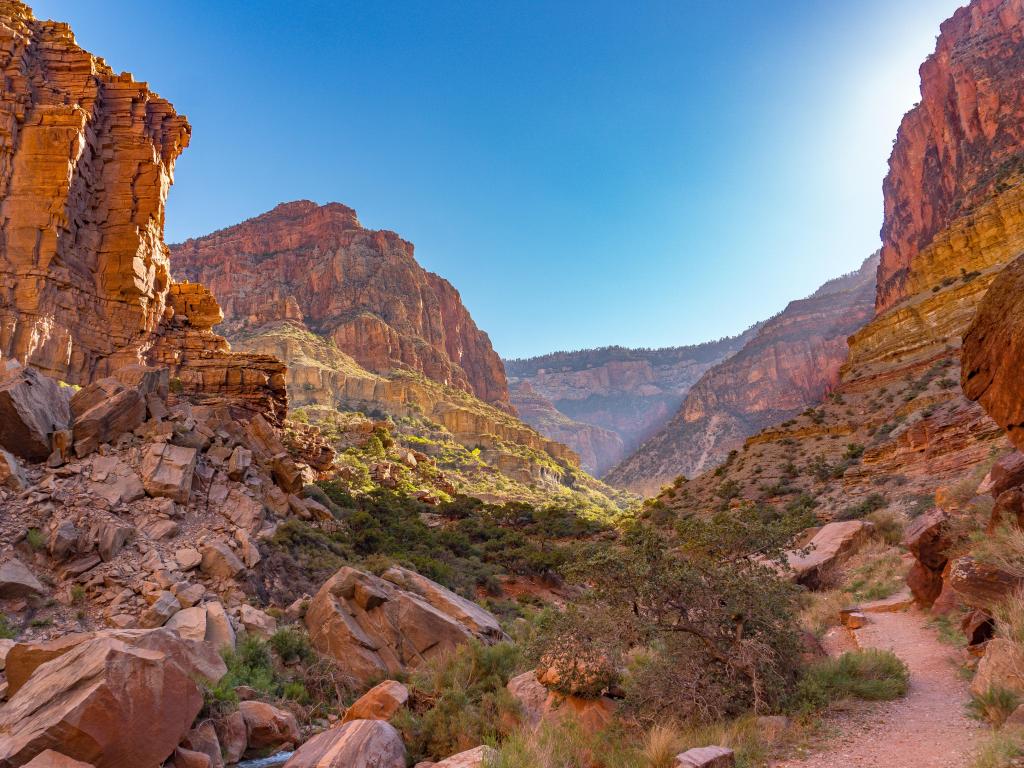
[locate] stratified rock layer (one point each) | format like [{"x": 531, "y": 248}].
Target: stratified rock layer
[
  {"x": 792, "y": 361},
  {"x": 360, "y": 288},
  {"x": 86, "y": 161},
  {"x": 957, "y": 149}
]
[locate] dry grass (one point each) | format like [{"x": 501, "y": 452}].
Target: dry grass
[
  {"x": 821, "y": 610},
  {"x": 1003, "y": 548}
]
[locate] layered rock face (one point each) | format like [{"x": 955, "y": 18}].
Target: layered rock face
[
  {"x": 86, "y": 161},
  {"x": 360, "y": 288},
  {"x": 791, "y": 362},
  {"x": 598, "y": 448},
  {"x": 957, "y": 149},
  {"x": 629, "y": 392}
]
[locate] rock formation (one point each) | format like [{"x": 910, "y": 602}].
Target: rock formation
[
  {"x": 360, "y": 288},
  {"x": 86, "y": 161},
  {"x": 630, "y": 392},
  {"x": 789, "y": 364}
]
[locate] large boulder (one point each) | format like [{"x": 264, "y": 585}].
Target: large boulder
[
  {"x": 992, "y": 354},
  {"x": 104, "y": 702},
  {"x": 927, "y": 539},
  {"x": 357, "y": 744},
  {"x": 373, "y": 627},
  {"x": 1002, "y": 666},
  {"x": 16, "y": 580},
  {"x": 32, "y": 408},
  {"x": 1006, "y": 473},
  {"x": 479, "y": 621},
  {"x": 539, "y": 705},
  {"x": 267, "y": 728},
  {"x": 167, "y": 471},
  {"x": 379, "y": 703},
  {"x": 12, "y": 476},
  {"x": 113, "y": 410},
  {"x": 831, "y": 545},
  {"x": 50, "y": 759},
  {"x": 979, "y": 584}
]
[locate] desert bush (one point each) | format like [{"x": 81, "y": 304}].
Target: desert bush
[
  {"x": 1009, "y": 616},
  {"x": 459, "y": 701},
  {"x": 1003, "y": 548},
  {"x": 716, "y": 625},
  {"x": 993, "y": 705},
  {"x": 868, "y": 674},
  {"x": 888, "y": 527},
  {"x": 872, "y": 503},
  {"x": 1000, "y": 750},
  {"x": 292, "y": 644}
]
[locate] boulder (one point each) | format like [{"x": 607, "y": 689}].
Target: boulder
[
  {"x": 979, "y": 584},
  {"x": 167, "y": 471},
  {"x": 111, "y": 538},
  {"x": 50, "y": 759},
  {"x": 466, "y": 612},
  {"x": 830, "y": 546},
  {"x": 1006, "y": 473},
  {"x": 188, "y": 558},
  {"x": 926, "y": 538},
  {"x": 104, "y": 702},
  {"x": 540, "y": 705},
  {"x": 219, "y": 632},
  {"x": 706, "y": 757},
  {"x": 187, "y": 758},
  {"x": 24, "y": 658},
  {"x": 231, "y": 735},
  {"x": 374, "y": 628},
  {"x": 162, "y": 609},
  {"x": 356, "y": 744},
  {"x": 477, "y": 757},
  {"x": 1002, "y": 666},
  {"x": 16, "y": 580},
  {"x": 189, "y": 623},
  {"x": 117, "y": 410},
  {"x": 267, "y": 728},
  {"x": 203, "y": 740},
  {"x": 924, "y": 583},
  {"x": 256, "y": 622},
  {"x": 1008, "y": 510},
  {"x": 32, "y": 408},
  {"x": 12, "y": 476},
  {"x": 220, "y": 561},
  {"x": 379, "y": 703},
  {"x": 63, "y": 540}
]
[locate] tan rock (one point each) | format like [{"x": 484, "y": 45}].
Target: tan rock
[
  {"x": 830, "y": 546},
  {"x": 117, "y": 411},
  {"x": 12, "y": 477},
  {"x": 379, "y": 703},
  {"x": 188, "y": 558},
  {"x": 50, "y": 759},
  {"x": 167, "y": 471},
  {"x": 256, "y": 622},
  {"x": 267, "y": 728},
  {"x": 24, "y": 658},
  {"x": 539, "y": 705},
  {"x": 219, "y": 632},
  {"x": 190, "y": 623},
  {"x": 187, "y": 758},
  {"x": 706, "y": 757},
  {"x": 357, "y": 744},
  {"x": 478, "y": 757},
  {"x": 231, "y": 735},
  {"x": 165, "y": 606},
  {"x": 979, "y": 584},
  {"x": 203, "y": 740},
  {"x": 220, "y": 561},
  {"x": 16, "y": 580},
  {"x": 1001, "y": 666}
]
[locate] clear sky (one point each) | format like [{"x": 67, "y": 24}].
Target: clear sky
[{"x": 585, "y": 173}]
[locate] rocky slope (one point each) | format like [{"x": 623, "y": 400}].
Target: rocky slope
[
  {"x": 360, "y": 288},
  {"x": 630, "y": 392},
  {"x": 898, "y": 426},
  {"x": 789, "y": 364}
]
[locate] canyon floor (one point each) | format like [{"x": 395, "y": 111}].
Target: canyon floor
[{"x": 928, "y": 728}]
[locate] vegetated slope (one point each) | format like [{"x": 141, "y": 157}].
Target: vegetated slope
[
  {"x": 898, "y": 426},
  {"x": 790, "y": 363},
  {"x": 630, "y": 392}
]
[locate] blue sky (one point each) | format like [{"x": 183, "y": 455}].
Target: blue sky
[{"x": 585, "y": 173}]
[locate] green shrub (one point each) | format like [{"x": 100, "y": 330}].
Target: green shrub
[
  {"x": 872, "y": 503},
  {"x": 869, "y": 674},
  {"x": 7, "y": 632},
  {"x": 35, "y": 539},
  {"x": 292, "y": 644},
  {"x": 993, "y": 705}
]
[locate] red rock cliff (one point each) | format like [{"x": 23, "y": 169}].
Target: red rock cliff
[
  {"x": 958, "y": 147},
  {"x": 360, "y": 288},
  {"x": 86, "y": 161}
]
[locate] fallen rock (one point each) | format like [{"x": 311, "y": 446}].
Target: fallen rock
[
  {"x": 202, "y": 740},
  {"x": 853, "y": 618},
  {"x": 117, "y": 410},
  {"x": 187, "y": 758},
  {"x": 481, "y": 622},
  {"x": 188, "y": 558},
  {"x": 256, "y": 622},
  {"x": 231, "y": 735},
  {"x": 472, "y": 758},
  {"x": 24, "y": 658},
  {"x": 219, "y": 632},
  {"x": 926, "y": 538},
  {"x": 104, "y": 702},
  {"x": 379, "y": 703},
  {"x": 830, "y": 546},
  {"x": 979, "y": 584},
  {"x": 16, "y": 580},
  {"x": 162, "y": 609},
  {"x": 50, "y": 759},
  {"x": 267, "y": 728},
  {"x": 540, "y": 705},
  {"x": 1002, "y": 666},
  {"x": 32, "y": 408},
  {"x": 189, "y": 623},
  {"x": 374, "y": 628},
  {"x": 12, "y": 477},
  {"x": 357, "y": 744},
  {"x": 167, "y": 471},
  {"x": 706, "y": 757},
  {"x": 1006, "y": 473},
  {"x": 220, "y": 561}
]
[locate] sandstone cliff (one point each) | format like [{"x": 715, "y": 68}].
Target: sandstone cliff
[
  {"x": 630, "y": 392},
  {"x": 86, "y": 161},
  {"x": 898, "y": 426},
  {"x": 789, "y": 364},
  {"x": 360, "y": 288}
]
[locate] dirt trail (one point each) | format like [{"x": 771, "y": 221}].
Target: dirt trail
[{"x": 926, "y": 729}]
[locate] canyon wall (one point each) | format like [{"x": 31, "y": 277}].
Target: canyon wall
[
  {"x": 627, "y": 392},
  {"x": 360, "y": 288},
  {"x": 86, "y": 162},
  {"x": 790, "y": 363}
]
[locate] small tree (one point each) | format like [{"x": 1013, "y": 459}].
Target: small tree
[{"x": 705, "y": 618}]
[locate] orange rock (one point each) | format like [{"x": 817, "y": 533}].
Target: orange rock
[
  {"x": 379, "y": 703},
  {"x": 267, "y": 728}
]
